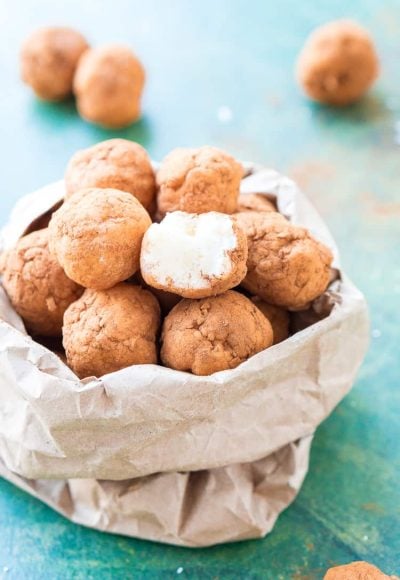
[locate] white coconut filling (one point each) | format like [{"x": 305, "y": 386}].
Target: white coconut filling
[{"x": 186, "y": 250}]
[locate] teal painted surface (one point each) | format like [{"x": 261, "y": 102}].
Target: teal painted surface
[{"x": 237, "y": 54}]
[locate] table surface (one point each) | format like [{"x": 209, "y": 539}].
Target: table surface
[{"x": 221, "y": 73}]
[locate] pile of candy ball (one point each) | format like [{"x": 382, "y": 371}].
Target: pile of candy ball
[
  {"x": 107, "y": 81},
  {"x": 336, "y": 66},
  {"x": 172, "y": 267}
]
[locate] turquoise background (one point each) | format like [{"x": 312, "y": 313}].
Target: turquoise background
[{"x": 201, "y": 56}]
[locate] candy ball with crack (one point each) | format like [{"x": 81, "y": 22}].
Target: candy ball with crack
[
  {"x": 96, "y": 236},
  {"x": 49, "y": 58},
  {"x": 117, "y": 164},
  {"x": 213, "y": 334},
  {"x": 278, "y": 318},
  {"x": 194, "y": 255},
  {"x": 105, "y": 331},
  {"x": 338, "y": 63},
  {"x": 108, "y": 85},
  {"x": 37, "y": 286},
  {"x": 198, "y": 181},
  {"x": 286, "y": 265}
]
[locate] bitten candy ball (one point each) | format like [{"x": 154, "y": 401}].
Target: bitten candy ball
[
  {"x": 194, "y": 255},
  {"x": 117, "y": 164},
  {"x": 108, "y": 85},
  {"x": 96, "y": 236},
  {"x": 286, "y": 265},
  {"x": 213, "y": 334},
  {"x": 48, "y": 60},
  {"x": 198, "y": 181},
  {"x": 338, "y": 63},
  {"x": 105, "y": 331},
  {"x": 37, "y": 286}
]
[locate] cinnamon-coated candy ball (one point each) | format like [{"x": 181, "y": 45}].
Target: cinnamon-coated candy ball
[
  {"x": 97, "y": 235},
  {"x": 338, "y": 63},
  {"x": 213, "y": 334},
  {"x": 194, "y": 255},
  {"x": 166, "y": 300},
  {"x": 49, "y": 58},
  {"x": 117, "y": 164},
  {"x": 255, "y": 202},
  {"x": 37, "y": 286},
  {"x": 278, "y": 318},
  {"x": 108, "y": 85},
  {"x": 356, "y": 571},
  {"x": 198, "y": 181},
  {"x": 286, "y": 266},
  {"x": 105, "y": 331}
]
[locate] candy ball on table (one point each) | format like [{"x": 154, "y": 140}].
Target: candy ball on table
[
  {"x": 356, "y": 571},
  {"x": 37, "y": 286},
  {"x": 115, "y": 163},
  {"x": 96, "y": 236},
  {"x": 108, "y": 86},
  {"x": 105, "y": 331},
  {"x": 338, "y": 63},
  {"x": 49, "y": 58}
]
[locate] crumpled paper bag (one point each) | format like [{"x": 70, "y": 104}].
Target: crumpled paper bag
[
  {"x": 188, "y": 460},
  {"x": 196, "y": 508}
]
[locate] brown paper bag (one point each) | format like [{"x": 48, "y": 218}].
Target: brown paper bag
[{"x": 187, "y": 460}]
